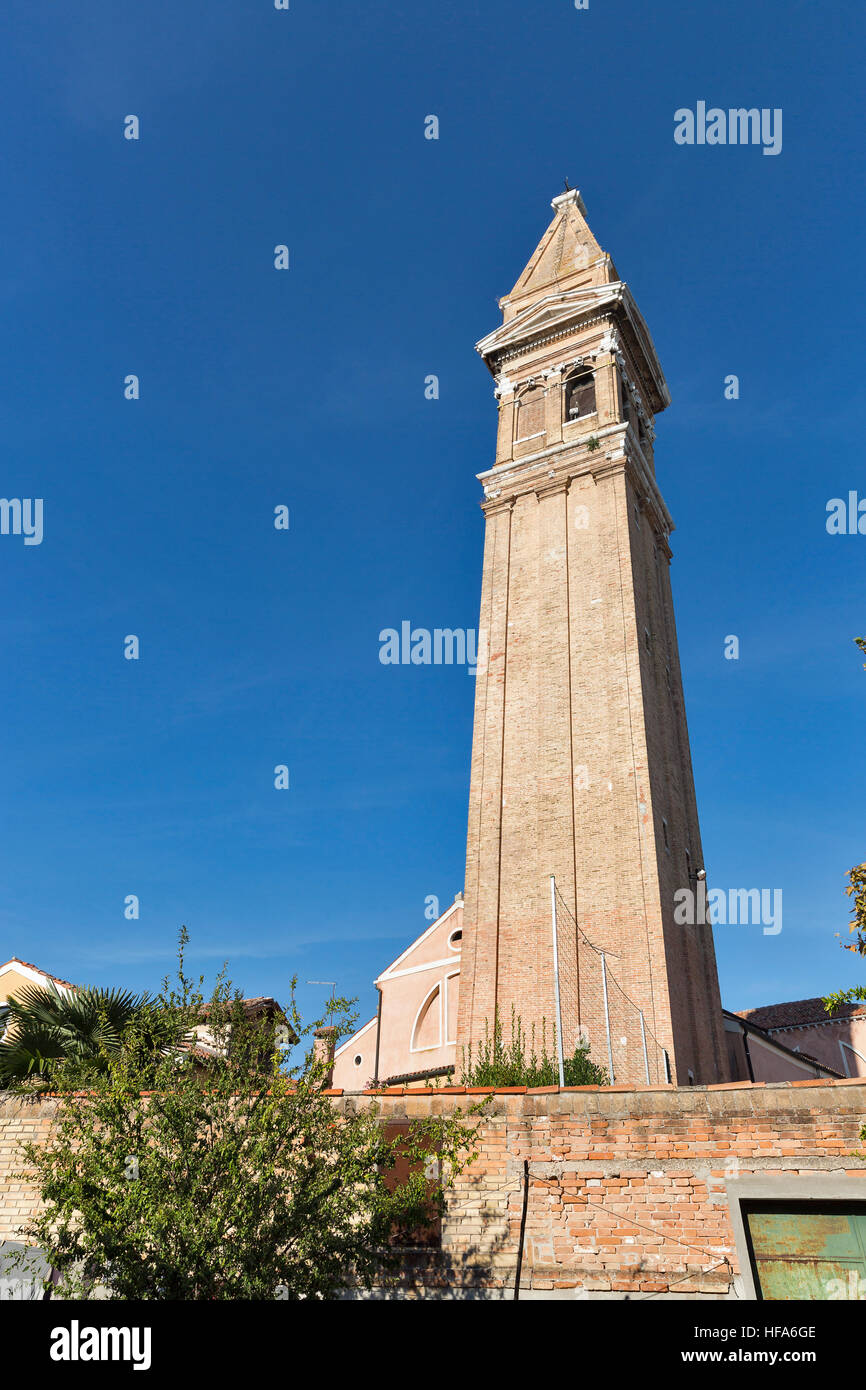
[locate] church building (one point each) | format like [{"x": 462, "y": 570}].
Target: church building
[{"x": 583, "y": 822}]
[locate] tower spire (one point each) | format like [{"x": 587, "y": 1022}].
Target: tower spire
[{"x": 566, "y": 257}]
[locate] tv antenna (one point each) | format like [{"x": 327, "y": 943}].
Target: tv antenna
[{"x": 333, "y": 984}]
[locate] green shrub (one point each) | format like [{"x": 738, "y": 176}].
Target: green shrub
[{"x": 510, "y": 1064}]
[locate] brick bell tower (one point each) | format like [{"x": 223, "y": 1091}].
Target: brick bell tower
[{"x": 580, "y": 758}]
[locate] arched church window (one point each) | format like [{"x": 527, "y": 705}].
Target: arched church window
[
  {"x": 427, "y": 1030},
  {"x": 530, "y": 412},
  {"x": 580, "y": 394}
]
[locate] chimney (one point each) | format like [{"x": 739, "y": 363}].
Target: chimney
[{"x": 324, "y": 1042}]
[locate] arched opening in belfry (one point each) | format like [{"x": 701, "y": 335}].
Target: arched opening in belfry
[{"x": 579, "y": 394}]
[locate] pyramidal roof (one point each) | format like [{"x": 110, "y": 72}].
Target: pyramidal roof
[
  {"x": 567, "y": 278},
  {"x": 567, "y": 257}
]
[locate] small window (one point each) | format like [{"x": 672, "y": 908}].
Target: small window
[
  {"x": 625, "y": 396},
  {"x": 580, "y": 395},
  {"x": 691, "y": 1076},
  {"x": 358, "y": 1059},
  {"x": 689, "y": 866},
  {"x": 455, "y": 940},
  {"x": 665, "y": 834},
  {"x": 647, "y": 640}
]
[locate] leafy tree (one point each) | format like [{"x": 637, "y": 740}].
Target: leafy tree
[
  {"x": 519, "y": 1063},
  {"x": 234, "y": 1176},
  {"x": 857, "y": 926},
  {"x": 47, "y": 1030},
  {"x": 857, "y": 890}
]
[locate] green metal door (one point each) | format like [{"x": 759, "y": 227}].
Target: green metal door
[{"x": 808, "y": 1250}]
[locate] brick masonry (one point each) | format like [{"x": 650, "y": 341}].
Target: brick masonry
[
  {"x": 630, "y": 1190},
  {"x": 21, "y": 1121}
]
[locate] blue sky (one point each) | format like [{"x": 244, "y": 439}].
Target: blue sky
[{"x": 306, "y": 388}]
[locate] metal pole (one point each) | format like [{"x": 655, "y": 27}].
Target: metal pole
[
  {"x": 643, "y": 1038},
  {"x": 378, "y": 1036},
  {"x": 607, "y": 1017},
  {"x": 556, "y": 979},
  {"x": 522, "y": 1235}
]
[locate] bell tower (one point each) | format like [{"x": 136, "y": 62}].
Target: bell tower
[{"x": 580, "y": 761}]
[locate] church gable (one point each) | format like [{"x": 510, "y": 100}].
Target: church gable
[
  {"x": 439, "y": 942},
  {"x": 416, "y": 1027}
]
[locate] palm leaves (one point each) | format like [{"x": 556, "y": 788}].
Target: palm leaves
[{"x": 81, "y": 1029}]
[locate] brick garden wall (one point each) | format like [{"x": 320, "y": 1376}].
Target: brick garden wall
[
  {"x": 628, "y": 1188},
  {"x": 20, "y": 1120}
]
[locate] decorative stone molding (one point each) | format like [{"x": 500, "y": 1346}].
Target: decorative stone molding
[
  {"x": 543, "y": 339},
  {"x": 637, "y": 398}
]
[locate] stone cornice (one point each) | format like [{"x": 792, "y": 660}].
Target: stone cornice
[
  {"x": 531, "y": 344},
  {"x": 556, "y": 468},
  {"x": 501, "y": 470}
]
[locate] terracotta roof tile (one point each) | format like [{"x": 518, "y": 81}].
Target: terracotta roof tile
[
  {"x": 16, "y": 960},
  {"x": 797, "y": 1013}
]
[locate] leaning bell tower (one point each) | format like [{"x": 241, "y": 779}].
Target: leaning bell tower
[{"x": 580, "y": 761}]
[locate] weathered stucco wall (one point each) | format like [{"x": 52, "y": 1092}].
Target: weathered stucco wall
[{"x": 629, "y": 1191}]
